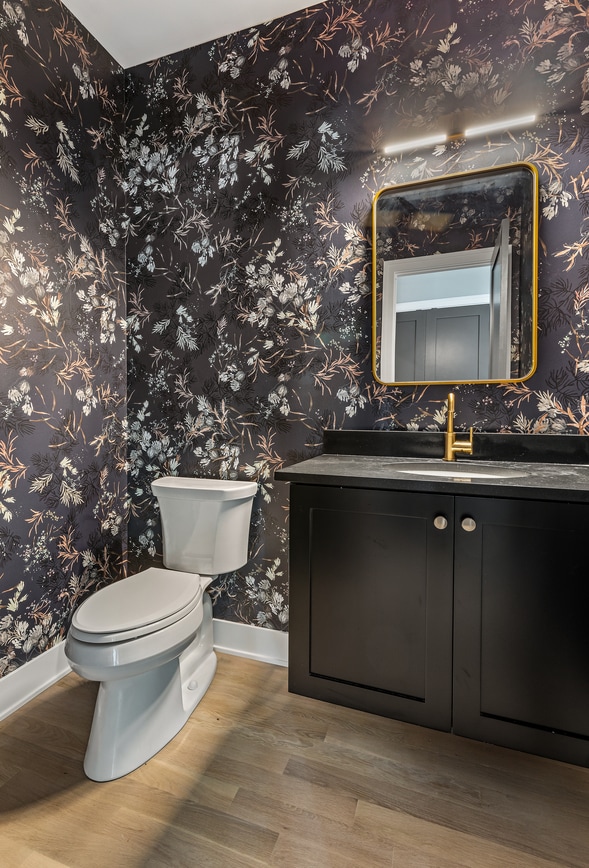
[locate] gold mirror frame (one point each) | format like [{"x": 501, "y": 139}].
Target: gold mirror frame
[{"x": 462, "y": 218}]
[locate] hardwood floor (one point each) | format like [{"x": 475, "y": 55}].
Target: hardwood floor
[{"x": 262, "y": 777}]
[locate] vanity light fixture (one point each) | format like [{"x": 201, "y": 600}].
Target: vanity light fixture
[
  {"x": 438, "y": 139},
  {"x": 525, "y": 120},
  {"x": 441, "y": 138}
]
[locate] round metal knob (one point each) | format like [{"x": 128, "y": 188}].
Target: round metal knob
[
  {"x": 468, "y": 524},
  {"x": 440, "y": 522}
]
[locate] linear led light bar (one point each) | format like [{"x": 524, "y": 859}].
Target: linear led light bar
[
  {"x": 438, "y": 139},
  {"x": 500, "y": 125}
]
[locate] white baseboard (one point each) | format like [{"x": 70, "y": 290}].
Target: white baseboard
[
  {"x": 19, "y": 687},
  {"x": 247, "y": 640},
  {"x": 242, "y": 640}
]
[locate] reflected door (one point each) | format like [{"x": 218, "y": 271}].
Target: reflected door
[
  {"x": 443, "y": 343},
  {"x": 500, "y": 292}
]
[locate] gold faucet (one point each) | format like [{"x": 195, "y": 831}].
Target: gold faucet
[{"x": 452, "y": 445}]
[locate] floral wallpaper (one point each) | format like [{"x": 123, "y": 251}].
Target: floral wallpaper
[
  {"x": 189, "y": 243},
  {"x": 250, "y": 164},
  {"x": 62, "y": 335}
]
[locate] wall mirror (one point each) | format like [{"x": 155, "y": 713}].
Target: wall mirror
[{"x": 454, "y": 278}]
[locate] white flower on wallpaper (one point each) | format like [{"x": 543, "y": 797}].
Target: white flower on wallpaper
[
  {"x": 249, "y": 166},
  {"x": 62, "y": 433}
]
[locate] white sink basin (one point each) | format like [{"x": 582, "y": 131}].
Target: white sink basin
[{"x": 458, "y": 471}]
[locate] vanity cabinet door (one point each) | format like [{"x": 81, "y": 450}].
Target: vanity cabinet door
[
  {"x": 521, "y": 634},
  {"x": 371, "y": 600}
]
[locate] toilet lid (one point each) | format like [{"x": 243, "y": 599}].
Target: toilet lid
[{"x": 136, "y": 605}]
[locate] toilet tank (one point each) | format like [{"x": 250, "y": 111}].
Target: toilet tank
[{"x": 205, "y": 523}]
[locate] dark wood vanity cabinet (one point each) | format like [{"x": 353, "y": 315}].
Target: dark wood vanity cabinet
[
  {"x": 468, "y": 614},
  {"x": 371, "y": 601},
  {"x": 521, "y": 626}
]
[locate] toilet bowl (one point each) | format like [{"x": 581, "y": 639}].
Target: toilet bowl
[{"x": 148, "y": 639}]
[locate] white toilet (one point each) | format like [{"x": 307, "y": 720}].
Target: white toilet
[{"x": 148, "y": 638}]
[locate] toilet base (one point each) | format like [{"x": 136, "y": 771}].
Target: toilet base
[{"x": 136, "y": 717}]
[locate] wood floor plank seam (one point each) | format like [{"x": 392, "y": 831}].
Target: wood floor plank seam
[{"x": 260, "y": 778}]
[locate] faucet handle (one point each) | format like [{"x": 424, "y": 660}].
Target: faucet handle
[
  {"x": 464, "y": 447},
  {"x": 470, "y": 435},
  {"x": 467, "y": 446}
]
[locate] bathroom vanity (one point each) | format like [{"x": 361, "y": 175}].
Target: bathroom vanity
[{"x": 452, "y": 595}]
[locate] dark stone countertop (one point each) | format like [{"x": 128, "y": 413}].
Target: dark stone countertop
[{"x": 563, "y": 481}]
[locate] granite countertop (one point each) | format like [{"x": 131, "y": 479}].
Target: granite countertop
[{"x": 538, "y": 479}]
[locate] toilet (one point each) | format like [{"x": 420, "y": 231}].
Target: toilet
[{"x": 148, "y": 639}]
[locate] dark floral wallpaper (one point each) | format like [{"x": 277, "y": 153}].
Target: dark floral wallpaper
[
  {"x": 250, "y": 164},
  {"x": 62, "y": 326},
  {"x": 238, "y": 177}
]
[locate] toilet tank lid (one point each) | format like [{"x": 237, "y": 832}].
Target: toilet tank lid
[{"x": 208, "y": 489}]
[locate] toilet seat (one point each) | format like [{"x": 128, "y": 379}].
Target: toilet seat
[{"x": 138, "y": 605}]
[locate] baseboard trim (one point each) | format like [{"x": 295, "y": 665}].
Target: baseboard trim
[
  {"x": 242, "y": 640},
  {"x": 247, "y": 640},
  {"x": 19, "y": 687}
]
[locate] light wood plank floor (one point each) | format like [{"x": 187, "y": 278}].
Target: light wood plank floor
[{"x": 261, "y": 777}]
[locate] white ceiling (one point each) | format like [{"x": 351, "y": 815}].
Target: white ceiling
[{"x": 135, "y": 31}]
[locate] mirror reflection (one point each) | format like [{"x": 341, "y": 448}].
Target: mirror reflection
[{"x": 454, "y": 270}]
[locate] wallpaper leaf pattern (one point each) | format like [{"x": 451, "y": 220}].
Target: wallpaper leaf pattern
[
  {"x": 250, "y": 166},
  {"x": 208, "y": 215},
  {"x": 62, "y": 328}
]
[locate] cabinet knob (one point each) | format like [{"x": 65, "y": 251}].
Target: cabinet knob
[
  {"x": 440, "y": 522},
  {"x": 468, "y": 524}
]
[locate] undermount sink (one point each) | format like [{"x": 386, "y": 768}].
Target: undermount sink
[{"x": 458, "y": 471}]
